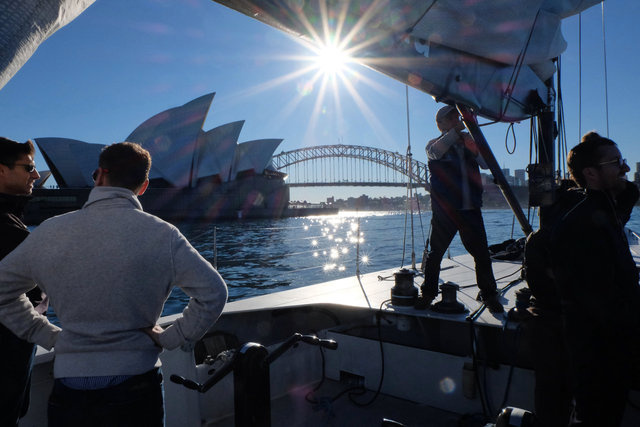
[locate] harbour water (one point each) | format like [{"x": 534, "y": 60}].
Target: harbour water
[{"x": 261, "y": 256}]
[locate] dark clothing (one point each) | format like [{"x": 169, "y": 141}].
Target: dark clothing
[
  {"x": 598, "y": 284},
  {"x": 456, "y": 198},
  {"x": 13, "y": 229},
  {"x": 538, "y": 266},
  {"x": 447, "y": 180},
  {"x": 16, "y": 358},
  {"x": 472, "y": 233},
  {"x": 553, "y": 389},
  {"x": 553, "y": 395},
  {"x": 137, "y": 401}
]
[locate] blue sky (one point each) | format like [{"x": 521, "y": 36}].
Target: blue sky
[{"x": 123, "y": 61}]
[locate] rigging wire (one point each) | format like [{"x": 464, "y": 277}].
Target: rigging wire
[
  {"x": 606, "y": 79},
  {"x": 562, "y": 128},
  {"x": 358, "y": 265},
  {"x": 517, "y": 67},
  {"x": 409, "y": 168},
  {"x": 579, "y": 74}
]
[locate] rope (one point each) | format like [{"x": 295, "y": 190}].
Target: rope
[{"x": 506, "y": 136}]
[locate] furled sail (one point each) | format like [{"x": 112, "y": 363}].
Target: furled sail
[
  {"x": 25, "y": 24},
  {"x": 493, "y": 56}
]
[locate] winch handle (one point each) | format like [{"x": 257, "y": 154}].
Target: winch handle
[
  {"x": 293, "y": 339},
  {"x": 219, "y": 374}
]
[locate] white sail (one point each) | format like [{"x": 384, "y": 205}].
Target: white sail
[
  {"x": 492, "y": 56},
  {"x": 25, "y": 24}
]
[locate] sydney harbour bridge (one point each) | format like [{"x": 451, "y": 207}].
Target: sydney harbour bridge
[{"x": 350, "y": 165}]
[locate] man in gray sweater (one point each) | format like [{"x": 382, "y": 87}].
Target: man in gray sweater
[{"x": 108, "y": 269}]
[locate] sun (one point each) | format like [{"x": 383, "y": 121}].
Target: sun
[{"x": 331, "y": 59}]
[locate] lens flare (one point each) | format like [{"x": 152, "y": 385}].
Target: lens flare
[
  {"x": 447, "y": 385},
  {"x": 331, "y": 59}
]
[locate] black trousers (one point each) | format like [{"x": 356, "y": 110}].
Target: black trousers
[
  {"x": 602, "y": 371},
  {"x": 444, "y": 226},
  {"x": 16, "y": 362},
  {"x": 138, "y": 401},
  {"x": 553, "y": 392}
]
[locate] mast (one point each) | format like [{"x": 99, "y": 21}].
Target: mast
[
  {"x": 542, "y": 179},
  {"x": 546, "y": 150},
  {"x": 471, "y": 123}
]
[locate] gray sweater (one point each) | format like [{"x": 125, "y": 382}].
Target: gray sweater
[{"x": 108, "y": 268}]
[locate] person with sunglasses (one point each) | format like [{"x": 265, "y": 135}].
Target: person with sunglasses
[
  {"x": 17, "y": 175},
  {"x": 597, "y": 280}
]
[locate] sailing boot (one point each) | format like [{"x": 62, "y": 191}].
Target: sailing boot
[{"x": 493, "y": 304}]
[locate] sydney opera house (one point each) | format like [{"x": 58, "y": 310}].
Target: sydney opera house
[{"x": 195, "y": 174}]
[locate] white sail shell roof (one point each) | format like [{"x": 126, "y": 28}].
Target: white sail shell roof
[
  {"x": 181, "y": 153},
  {"x": 217, "y": 148},
  {"x": 172, "y": 137},
  {"x": 72, "y": 162},
  {"x": 254, "y": 155}
]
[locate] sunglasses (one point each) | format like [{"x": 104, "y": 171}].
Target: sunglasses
[
  {"x": 617, "y": 161},
  {"x": 29, "y": 167}
]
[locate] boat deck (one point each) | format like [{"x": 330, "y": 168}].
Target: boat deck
[
  {"x": 377, "y": 286},
  {"x": 421, "y": 374},
  {"x": 338, "y": 408}
]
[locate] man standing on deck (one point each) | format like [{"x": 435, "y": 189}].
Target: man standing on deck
[
  {"x": 456, "y": 198},
  {"x": 108, "y": 269},
  {"x": 598, "y": 282},
  {"x": 17, "y": 175}
]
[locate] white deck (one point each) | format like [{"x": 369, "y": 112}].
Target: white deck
[{"x": 348, "y": 291}]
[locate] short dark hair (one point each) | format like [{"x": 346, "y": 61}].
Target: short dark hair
[
  {"x": 127, "y": 163},
  {"x": 11, "y": 151},
  {"x": 586, "y": 154}
]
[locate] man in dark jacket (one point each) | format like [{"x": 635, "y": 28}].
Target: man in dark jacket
[
  {"x": 456, "y": 199},
  {"x": 17, "y": 175},
  {"x": 552, "y": 366},
  {"x": 598, "y": 282}
]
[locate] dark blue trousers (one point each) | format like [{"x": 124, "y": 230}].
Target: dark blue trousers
[
  {"x": 136, "y": 402},
  {"x": 16, "y": 361},
  {"x": 444, "y": 226}
]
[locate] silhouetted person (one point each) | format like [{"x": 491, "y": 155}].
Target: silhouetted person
[
  {"x": 553, "y": 389},
  {"x": 598, "y": 282},
  {"x": 456, "y": 199}
]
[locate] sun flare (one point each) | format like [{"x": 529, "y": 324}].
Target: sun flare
[{"x": 332, "y": 59}]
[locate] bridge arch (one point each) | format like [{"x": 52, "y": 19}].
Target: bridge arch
[{"x": 387, "y": 159}]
